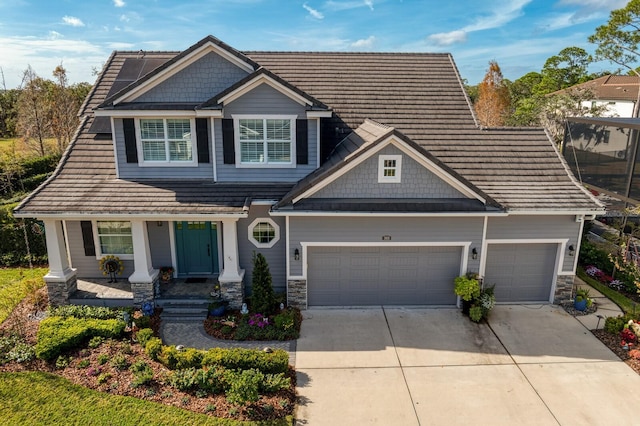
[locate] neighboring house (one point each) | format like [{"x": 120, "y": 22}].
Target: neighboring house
[
  {"x": 618, "y": 93},
  {"x": 363, "y": 178}
]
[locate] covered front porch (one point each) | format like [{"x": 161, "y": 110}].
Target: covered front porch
[{"x": 199, "y": 253}]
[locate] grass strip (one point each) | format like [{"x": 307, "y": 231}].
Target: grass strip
[
  {"x": 627, "y": 305},
  {"x": 15, "y": 285},
  {"x": 36, "y": 398}
]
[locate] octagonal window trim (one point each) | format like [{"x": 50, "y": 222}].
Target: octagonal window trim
[{"x": 258, "y": 229}]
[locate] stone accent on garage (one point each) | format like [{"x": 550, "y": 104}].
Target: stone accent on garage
[
  {"x": 59, "y": 291},
  {"x": 564, "y": 288},
  {"x": 297, "y": 293}
]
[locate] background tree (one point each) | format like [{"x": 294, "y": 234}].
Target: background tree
[
  {"x": 492, "y": 105},
  {"x": 619, "y": 39},
  {"x": 525, "y": 103},
  {"x": 568, "y": 68},
  {"x": 8, "y": 109},
  {"x": 64, "y": 109},
  {"x": 34, "y": 110}
]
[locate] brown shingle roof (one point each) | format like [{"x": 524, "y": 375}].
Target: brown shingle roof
[
  {"x": 421, "y": 95},
  {"x": 613, "y": 87}
]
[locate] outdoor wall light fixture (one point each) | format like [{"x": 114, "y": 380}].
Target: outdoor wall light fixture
[
  {"x": 474, "y": 253},
  {"x": 296, "y": 254},
  {"x": 572, "y": 250}
]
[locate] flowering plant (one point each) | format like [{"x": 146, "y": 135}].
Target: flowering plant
[
  {"x": 111, "y": 265},
  {"x": 258, "y": 320}
]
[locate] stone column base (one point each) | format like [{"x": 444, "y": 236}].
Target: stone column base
[
  {"x": 60, "y": 290},
  {"x": 564, "y": 288},
  {"x": 143, "y": 292},
  {"x": 232, "y": 292},
  {"x": 297, "y": 294}
]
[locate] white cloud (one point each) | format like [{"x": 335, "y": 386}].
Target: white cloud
[
  {"x": 592, "y": 5},
  {"x": 337, "y": 6},
  {"x": 44, "y": 54},
  {"x": 73, "y": 21},
  {"x": 369, "y": 4},
  {"x": 120, "y": 46},
  {"x": 447, "y": 39},
  {"x": 54, "y": 35},
  {"x": 124, "y": 18},
  {"x": 118, "y": 3},
  {"x": 500, "y": 15},
  {"x": 313, "y": 12},
  {"x": 366, "y": 43}
]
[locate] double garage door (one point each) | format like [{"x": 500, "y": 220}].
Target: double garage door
[{"x": 356, "y": 276}]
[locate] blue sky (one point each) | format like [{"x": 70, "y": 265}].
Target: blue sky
[{"x": 80, "y": 34}]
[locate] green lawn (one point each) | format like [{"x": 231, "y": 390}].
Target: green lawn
[
  {"x": 627, "y": 305},
  {"x": 15, "y": 285},
  {"x": 36, "y": 398}
]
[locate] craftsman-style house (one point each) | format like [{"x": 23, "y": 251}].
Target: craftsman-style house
[{"x": 363, "y": 178}]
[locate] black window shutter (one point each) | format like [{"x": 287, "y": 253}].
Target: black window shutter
[
  {"x": 228, "y": 143},
  {"x": 130, "y": 140},
  {"x": 87, "y": 238},
  {"x": 202, "y": 136},
  {"x": 302, "y": 146}
]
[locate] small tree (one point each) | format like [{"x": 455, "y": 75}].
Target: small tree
[
  {"x": 492, "y": 105},
  {"x": 263, "y": 299}
]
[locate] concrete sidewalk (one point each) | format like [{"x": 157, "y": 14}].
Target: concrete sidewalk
[
  {"x": 531, "y": 364},
  {"x": 606, "y": 308}
]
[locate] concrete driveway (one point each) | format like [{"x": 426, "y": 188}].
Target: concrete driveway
[{"x": 532, "y": 364}]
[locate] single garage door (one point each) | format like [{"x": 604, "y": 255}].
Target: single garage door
[
  {"x": 352, "y": 276},
  {"x": 521, "y": 272}
]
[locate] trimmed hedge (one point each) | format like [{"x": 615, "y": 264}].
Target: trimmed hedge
[
  {"x": 231, "y": 359},
  {"x": 85, "y": 311},
  {"x": 57, "y": 335}
]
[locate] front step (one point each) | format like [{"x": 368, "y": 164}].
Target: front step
[{"x": 183, "y": 309}]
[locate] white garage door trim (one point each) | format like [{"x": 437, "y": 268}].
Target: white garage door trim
[
  {"x": 560, "y": 253},
  {"x": 464, "y": 256}
]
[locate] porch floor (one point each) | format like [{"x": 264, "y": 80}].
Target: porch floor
[{"x": 177, "y": 288}]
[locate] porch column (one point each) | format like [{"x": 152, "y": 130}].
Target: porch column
[
  {"x": 61, "y": 279},
  {"x": 144, "y": 276},
  {"x": 230, "y": 279}
]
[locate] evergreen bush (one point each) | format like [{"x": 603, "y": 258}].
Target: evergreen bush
[{"x": 263, "y": 298}]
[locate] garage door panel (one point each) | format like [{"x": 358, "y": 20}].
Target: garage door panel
[
  {"x": 521, "y": 272},
  {"x": 384, "y": 275}
]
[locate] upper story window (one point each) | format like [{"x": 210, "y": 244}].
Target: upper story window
[
  {"x": 166, "y": 140},
  {"x": 389, "y": 168},
  {"x": 114, "y": 237},
  {"x": 265, "y": 141}
]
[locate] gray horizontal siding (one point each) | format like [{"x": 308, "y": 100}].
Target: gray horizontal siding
[
  {"x": 134, "y": 171},
  {"x": 198, "y": 82},
  {"x": 229, "y": 172},
  {"x": 537, "y": 227},
  {"x": 359, "y": 229},
  {"x": 159, "y": 244},
  {"x": 87, "y": 266},
  {"x": 275, "y": 255},
  {"x": 362, "y": 182}
]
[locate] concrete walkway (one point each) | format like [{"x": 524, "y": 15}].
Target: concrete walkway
[
  {"x": 606, "y": 308},
  {"x": 531, "y": 364}
]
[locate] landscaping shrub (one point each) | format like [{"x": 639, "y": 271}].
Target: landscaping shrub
[
  {"x": 119, "y": 362},
  {"x": 143, "y": 336},
  {"x": 153, "y": 347},
  {"x": 142, "y": 373},
  {"x": 243, "y": 386},
  {"x": 245, "y": 359},
  {"x": 262, "y": 297},
  {"x": 57, "y": 334},
  {"x": 83, "y": 311},
  {"x": 590, "y": 254},
  {"x": 13, "y": 348},
  {"x": 615, "y": 325},
  {"x": 195, "y": 380}
]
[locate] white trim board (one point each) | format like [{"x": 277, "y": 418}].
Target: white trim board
[{"x": 200, "y": 113}]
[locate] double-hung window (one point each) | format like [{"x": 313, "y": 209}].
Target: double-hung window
[
  {"x": 114, "y": 237},
  {"x": 166, "y": 140},
  {"x": 266, "y": 140}
]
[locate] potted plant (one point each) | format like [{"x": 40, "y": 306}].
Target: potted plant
[
  {"x": 166, "y": 273},
  {"x": 467, "y": 287},
  {"x": 582, "y": 300},
  {"x": 217, "y": 307},
  {"x": 482, "y": 305}
]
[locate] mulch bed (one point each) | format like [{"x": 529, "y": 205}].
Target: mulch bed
[{"x": 24, "y": 321}]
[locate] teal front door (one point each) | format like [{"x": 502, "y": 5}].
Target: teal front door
[{"x": 197, "y": 248}]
